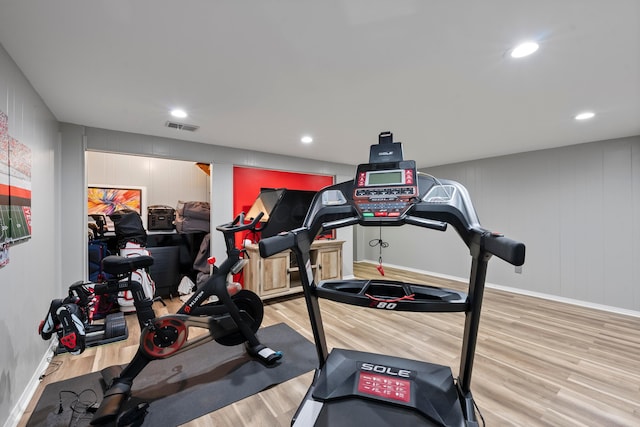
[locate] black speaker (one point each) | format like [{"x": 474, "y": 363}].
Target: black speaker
[{"x": 160, "y": 217}]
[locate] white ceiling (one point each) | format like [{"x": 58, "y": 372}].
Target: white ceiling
[{"x": 260, "y": 74}]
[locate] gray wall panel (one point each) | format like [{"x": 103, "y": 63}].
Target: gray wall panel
[
  {"x": 617, "y": 208},
  {"x": 73, "y": 199},
  {"x": 576, "y": 208},
  {"x": 32, "y": 277},
  {"x": 634, "y": 231},
  {"x": 587, "y": 243}
]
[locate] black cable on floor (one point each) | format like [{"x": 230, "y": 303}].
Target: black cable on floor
[
  {"x": 53, "y": 367},
  {"x": 479, "y": 413},
  {"x": 78, "y": 405}
]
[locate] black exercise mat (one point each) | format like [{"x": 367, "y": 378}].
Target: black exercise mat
[{"x": 187, "y": 386}]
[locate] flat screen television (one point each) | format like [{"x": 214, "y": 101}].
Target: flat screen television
[{"x": 283, "y": 209}]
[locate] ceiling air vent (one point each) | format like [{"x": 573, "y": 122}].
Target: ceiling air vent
[{"x": 182, "y": 126}]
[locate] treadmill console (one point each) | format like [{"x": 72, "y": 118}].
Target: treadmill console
[{"x": 385, "y": 191}]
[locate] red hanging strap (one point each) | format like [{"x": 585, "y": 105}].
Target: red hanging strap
[{"x": 379, "y": 267}]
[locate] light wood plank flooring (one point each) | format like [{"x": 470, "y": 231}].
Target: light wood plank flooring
[{"x": 538, "y": 362}]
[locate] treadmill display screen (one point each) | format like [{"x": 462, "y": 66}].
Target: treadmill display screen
[
  {"x": 385, "y": 192},
  {"x": 384, "y": 386},
  {"x": 394, "y": 177}
]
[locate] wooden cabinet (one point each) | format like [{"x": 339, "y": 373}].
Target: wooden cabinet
[{"x": 279, "y": 274}]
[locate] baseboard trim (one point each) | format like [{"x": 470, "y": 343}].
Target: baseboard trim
[
  {"x": 549, "y": 297},
  {"x": 18, "y": 410}
]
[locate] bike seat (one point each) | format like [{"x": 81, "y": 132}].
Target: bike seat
[{"x": 115, "y": 264}]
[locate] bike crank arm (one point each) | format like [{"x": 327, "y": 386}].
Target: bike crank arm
[{"x": 168, "y": 335}]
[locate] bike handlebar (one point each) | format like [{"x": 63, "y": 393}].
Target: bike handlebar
[{"x": 238, "y": 224}]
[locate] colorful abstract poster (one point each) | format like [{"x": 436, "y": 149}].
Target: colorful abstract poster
[
  {"x": 105, "y": 200},
  {"x": 15, "y": 186}
]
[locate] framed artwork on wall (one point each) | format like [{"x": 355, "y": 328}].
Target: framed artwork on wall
[
  {"x": 106, "y": 199},
  {"x": 15, "y": 189}
]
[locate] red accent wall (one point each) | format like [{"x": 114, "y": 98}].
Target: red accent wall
[{"x": 247, "y": 183}]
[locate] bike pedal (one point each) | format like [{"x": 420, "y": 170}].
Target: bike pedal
[{"x": 72, "y": 330}]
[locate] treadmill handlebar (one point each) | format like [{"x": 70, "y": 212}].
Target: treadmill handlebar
[
  {"x": 278, "y": 243},
  {"x": 427, "y": 223},
  {"x": 496, "y": 244},
  {"x": 504, "y": 248}
]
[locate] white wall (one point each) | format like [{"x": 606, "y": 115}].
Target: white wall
[
  {"x": 165, "y": 181},
  {"x": 576, "y": 208},
  {"x": 32, "y": 277}
]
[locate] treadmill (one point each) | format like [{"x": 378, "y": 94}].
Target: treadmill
[{"x": 353, "y": 388}]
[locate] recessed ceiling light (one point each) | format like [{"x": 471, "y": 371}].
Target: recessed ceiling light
[
  {"x": 524, "y": 49},
  {"x": 585, "y": 116},
  {"x": 306, "y": 139},
  {"x": 181, "y": 114}
]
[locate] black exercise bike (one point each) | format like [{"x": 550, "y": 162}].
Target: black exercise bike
[{"x": 230, "y": 320}]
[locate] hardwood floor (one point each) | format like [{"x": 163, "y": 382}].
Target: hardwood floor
[{"x": 538, "y": 362}]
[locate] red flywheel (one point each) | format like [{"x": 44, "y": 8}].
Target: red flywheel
[{"x": 166, "y": 338}]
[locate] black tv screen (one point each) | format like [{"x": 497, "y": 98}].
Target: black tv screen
[
  {"x": 283, "y": 209},
  {"x": 265, "y": 202}
]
